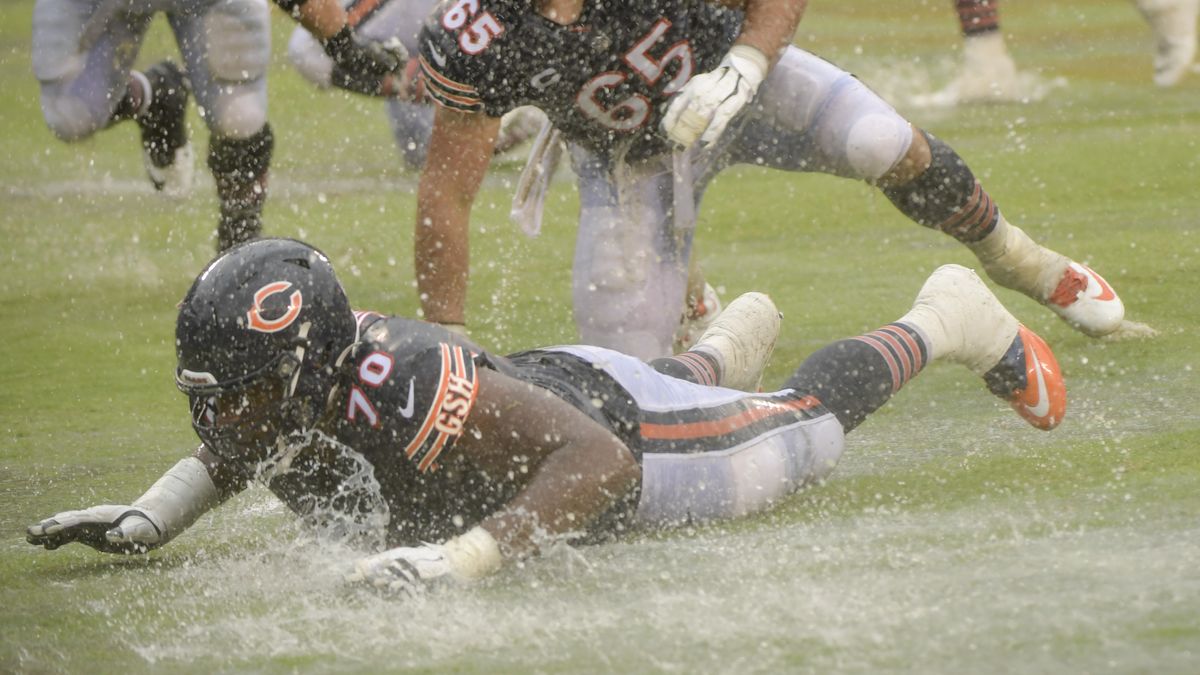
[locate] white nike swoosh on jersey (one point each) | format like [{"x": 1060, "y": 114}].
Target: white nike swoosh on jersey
[
  {"x": 1043, "y": 404},
  {"x": 437, "y": 56},
  {"x": 407, "y": 410}
]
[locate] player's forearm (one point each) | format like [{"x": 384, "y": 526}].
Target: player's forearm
[
  {"x": 770, "y": 25},
  {"x": 441, "y": 246},
  {"x": 322, "y": 18},
  {"x": 571, "y": 488}
]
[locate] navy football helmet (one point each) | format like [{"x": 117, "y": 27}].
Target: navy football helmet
[{"x": 257, "y": 340}]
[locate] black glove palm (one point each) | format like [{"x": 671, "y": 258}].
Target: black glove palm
[
  {"x": 361, "y": 65},
  {"x": 109, "y": 528}
]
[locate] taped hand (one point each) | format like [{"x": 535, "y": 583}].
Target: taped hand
[
  {"x": 709, "y": 101},
  {"x": 404, "y": 569},
  {"x": 109, "y": 528}
]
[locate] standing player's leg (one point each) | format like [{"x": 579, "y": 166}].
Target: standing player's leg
[
  {"x": 1174, "y": 26},
  {"x": 987, "y": 72},
  {"x": 812, "y": 116},
  {"x": 631, "y": 257},
  {"x": 945, "y": 195},
  {"x": 227, "y": 47},
  {"x": 83, "y": 53}
]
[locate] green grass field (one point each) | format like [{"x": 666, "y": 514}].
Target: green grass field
[{"x": 953, "y": 538}]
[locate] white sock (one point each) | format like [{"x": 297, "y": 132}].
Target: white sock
[{"x": 1014, "y": 260}]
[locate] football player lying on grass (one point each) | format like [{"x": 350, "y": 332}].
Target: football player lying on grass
[{"x": 494, "y": 457}]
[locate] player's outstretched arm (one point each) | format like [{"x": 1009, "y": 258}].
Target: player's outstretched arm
[
  {"x": 578, "y": 469},
  {"x": 460, "y": 149},
  {"x": 710, "y": 101},
  {"x": 169, "y": 507}
]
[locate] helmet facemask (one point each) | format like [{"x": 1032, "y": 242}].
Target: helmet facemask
[
  {"x": 245, "y": 420},
  {"x": 256, "y": 340}
]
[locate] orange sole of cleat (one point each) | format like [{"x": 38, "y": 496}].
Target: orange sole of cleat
[{"x": 1043, "y": 401}]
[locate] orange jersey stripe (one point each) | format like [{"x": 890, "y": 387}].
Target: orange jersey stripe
[
  {"x": 450, "y": 100},
  {"x": 446, "y": 82},
  {"x": 434, "y": 408},
  {"x": 434, "y": 451},
  {"x": 727, "y": 425}
]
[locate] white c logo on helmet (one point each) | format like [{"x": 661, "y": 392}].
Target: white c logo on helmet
[{"x": 263, "y": 325}]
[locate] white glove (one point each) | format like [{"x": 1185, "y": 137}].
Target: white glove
[
  {"x": 169, "y": 507},
  {"x": 471, "y": 555},
  {"x": 110, "y": 528},
  {"x": 403, "y": 569},
  {"x": 708, "y": 102}
]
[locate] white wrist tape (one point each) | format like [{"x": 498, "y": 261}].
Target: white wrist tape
[
  {"x": 473, "y": 555},
  {"x": 181, "y": 496},
  {"x": 749, "y": 62}
]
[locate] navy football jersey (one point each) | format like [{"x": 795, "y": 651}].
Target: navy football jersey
[
  {"x": 384, "y": 457},
  {"x": 405, "y": 397},
  {"x": 603, "y": 81},
  {"x": 406, "y": 394}
]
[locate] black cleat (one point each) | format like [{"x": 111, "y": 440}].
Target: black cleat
[{"x": 166, "y": 151}]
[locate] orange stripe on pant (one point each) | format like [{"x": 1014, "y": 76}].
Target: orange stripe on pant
[{"x": 710, "y": 428}]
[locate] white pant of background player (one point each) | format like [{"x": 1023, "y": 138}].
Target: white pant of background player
[
  {"x": 83, "y": 51},
  {"x": 635, "y": 232}
]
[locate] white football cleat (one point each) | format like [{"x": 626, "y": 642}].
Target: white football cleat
[
  {"x": 697, "y": 319},
  {"x": 1085, "y": 300},
  {"x": 1077, "y": 294},
  {"x": 965, "y": 323},
  {"x": 742, "y": 338},
  {"x": 166, "y": 151},
  {"x": 1174, "y": 26},
  {"x": 175, "y": 179}
]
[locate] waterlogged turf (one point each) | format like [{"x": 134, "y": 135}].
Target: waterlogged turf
[{"x": 953, "y": 538}]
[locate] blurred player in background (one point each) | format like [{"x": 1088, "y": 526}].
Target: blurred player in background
[
  {"x": 988, "y": 72},
  {"x": 83, "y": 55},
  {"x": 361, "y": 422},
  {"x": 656, "y": 99}
]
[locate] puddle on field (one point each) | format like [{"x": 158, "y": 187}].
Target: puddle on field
[
  {"x": 1008, "y": 582},
  {"x": 887, "y": 589}
]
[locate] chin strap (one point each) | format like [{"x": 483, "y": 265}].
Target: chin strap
[{"x": 300, "y": 349}]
